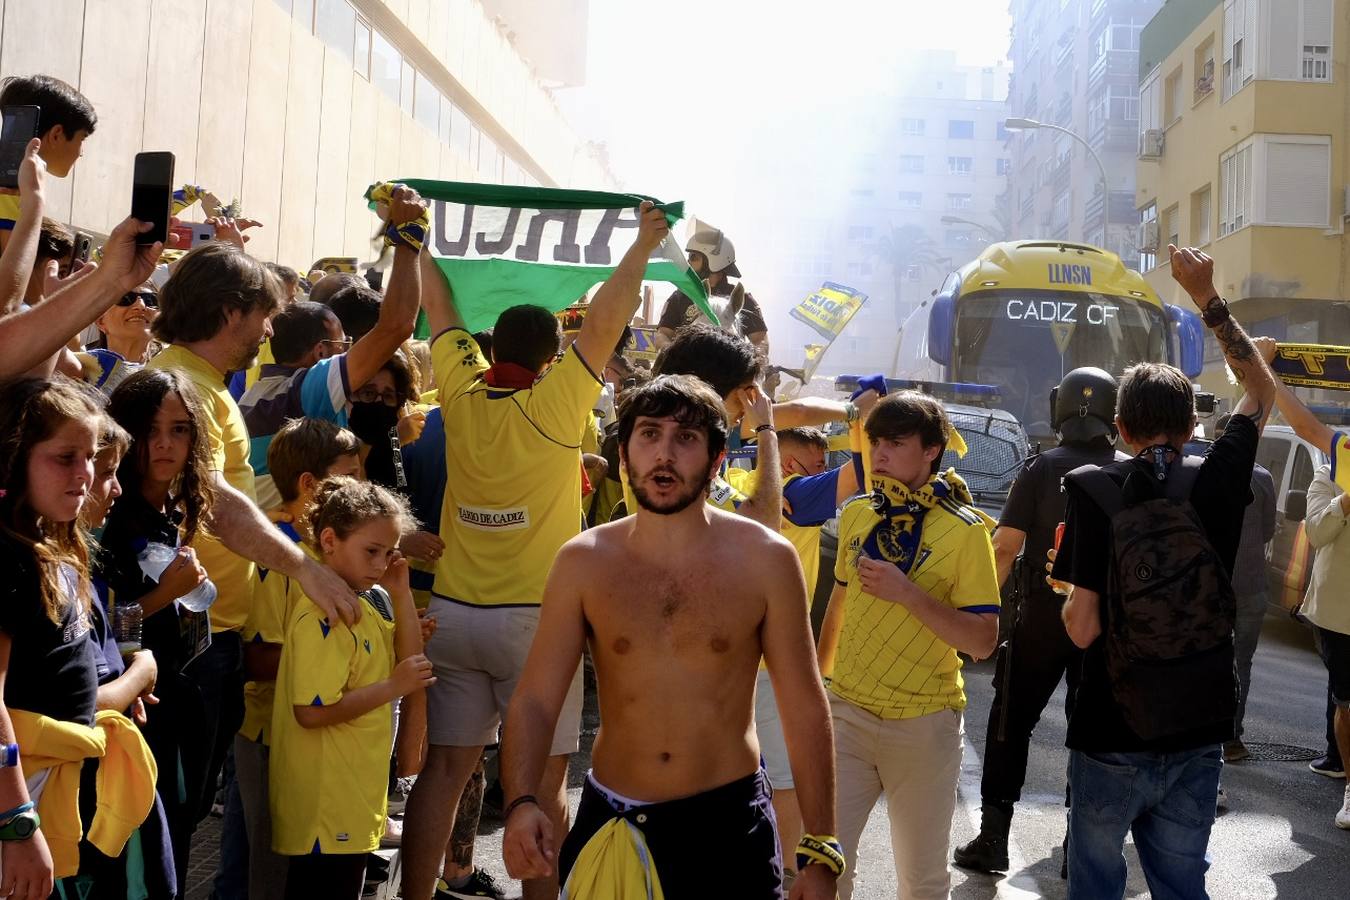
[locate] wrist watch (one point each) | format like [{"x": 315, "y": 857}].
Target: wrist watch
[
  {"x": 21, "y": 827},
  {"x": 1213, "y": 315}
]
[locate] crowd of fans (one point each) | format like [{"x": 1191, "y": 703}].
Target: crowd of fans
[{"x": 267, "y": 550}]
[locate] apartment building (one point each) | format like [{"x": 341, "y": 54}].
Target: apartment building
[
  {"x": 1243, "y": 117},
  {"x": 1075, "y": 65}
]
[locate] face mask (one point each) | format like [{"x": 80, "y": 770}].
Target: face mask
[{"x": 371, "y": 422}]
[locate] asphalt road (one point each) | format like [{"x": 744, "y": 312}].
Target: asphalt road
[{"x": 1277, "y": 837}]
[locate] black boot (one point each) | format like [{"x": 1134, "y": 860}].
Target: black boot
[{"x": 989, "y": 851}]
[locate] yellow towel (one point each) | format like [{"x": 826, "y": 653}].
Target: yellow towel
[
  {"x": 125, "y": 783},
  {"x": 615, "y": 864}
]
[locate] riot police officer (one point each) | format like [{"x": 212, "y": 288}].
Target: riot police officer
[{"x": 1037, "y": 651}]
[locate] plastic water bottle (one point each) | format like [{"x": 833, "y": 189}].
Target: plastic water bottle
[
  {"x": 155, "y": 558},
  {"x": 126, "y": 627}
]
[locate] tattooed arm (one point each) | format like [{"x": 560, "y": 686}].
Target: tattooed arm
[{"x": 1194, "y": 271}]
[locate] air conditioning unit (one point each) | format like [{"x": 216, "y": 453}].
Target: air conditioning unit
[
  {"x": 1147, "y": 238},
  {"x": 1151, "y": 144}
]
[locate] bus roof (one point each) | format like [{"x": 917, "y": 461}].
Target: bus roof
[{"x": 1053, "y": 265}]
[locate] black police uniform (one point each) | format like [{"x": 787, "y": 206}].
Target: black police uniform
[{"x": 1038, "y": 652}]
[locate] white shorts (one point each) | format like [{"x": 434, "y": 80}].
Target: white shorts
[
  {"x": 772, "y": 745},
  {"x": 477, "y": 655}
]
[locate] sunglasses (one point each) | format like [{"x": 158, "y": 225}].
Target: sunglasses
[{"x": 149, "y": 298}]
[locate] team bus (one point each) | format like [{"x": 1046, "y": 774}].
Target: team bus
[{"x": 1024, "y": 313}]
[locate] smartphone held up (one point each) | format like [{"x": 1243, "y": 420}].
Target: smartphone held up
[
  {"x": 19, "y": 127},
  {"x": 152, "y": 194}
]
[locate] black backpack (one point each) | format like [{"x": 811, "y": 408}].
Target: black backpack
[{"x": 1171, "y": 606}]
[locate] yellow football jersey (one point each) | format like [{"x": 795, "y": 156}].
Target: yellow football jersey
[
  {"x": 274, "y": 594},
  {"x": 888, "y": 662},
  {"x": 513, "y": 473},
  {"x": 228, "y": 439},
  {"x": 328, "y": 786},
  {"x": 1340, "y": 460}
]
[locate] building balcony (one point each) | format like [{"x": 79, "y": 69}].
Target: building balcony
[
  {"x": 1115, "y": 135},
  {"x": 1121, "y": 65},
  {"x": 1098, "y": 8},
  {"x": 1122, "y": 209}
]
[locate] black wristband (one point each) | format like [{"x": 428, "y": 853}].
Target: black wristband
[
  {"x": 1214, "y": 317},
  {"x": 519, "y": 801},
  {"x": 767, "y": 426}
]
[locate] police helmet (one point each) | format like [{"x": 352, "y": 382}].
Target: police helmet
[{"x": 1083, "y": 406}]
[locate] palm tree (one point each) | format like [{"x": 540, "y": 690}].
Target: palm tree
[{"x": 903, "y": 248}]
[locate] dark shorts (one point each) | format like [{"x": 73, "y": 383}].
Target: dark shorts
[
  {"x": 722, "y": 842},
  {"x": 1335, "y": 650}
]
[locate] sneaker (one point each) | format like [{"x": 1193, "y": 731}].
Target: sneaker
[
  {"x": 1235, "y": 751},
  {"x": 393, "y": 833},
  {"x": 480, "y": 884},
  {"x": 1343, "y": 817},
  {"x": 1328, "y": 767}
]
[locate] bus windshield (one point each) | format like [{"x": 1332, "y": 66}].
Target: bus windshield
[{"x": 1024, "y": 341}]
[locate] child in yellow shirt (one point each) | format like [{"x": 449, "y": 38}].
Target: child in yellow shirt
[{"x": 332, "y": 724}]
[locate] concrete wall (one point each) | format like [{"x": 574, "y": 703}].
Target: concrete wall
[{"x": 256, "y": 107}]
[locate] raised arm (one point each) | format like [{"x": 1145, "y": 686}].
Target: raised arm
[
  {"x": 791, "y": 661},
  {"x": 436, "y": 297},
  {"x": 34, "y": 335},
  {"x": 16, "y": 263},
  {"x": 1304, "y": 422},
  {"x": 1194, "y": 271},
  {"x": 620, "y": 295},
  {"x": 529, "y": 847},
  {"x": 243, "y": 528},
  {"x": 398, "y": 311},
  {"x": 765, "y": 504}
]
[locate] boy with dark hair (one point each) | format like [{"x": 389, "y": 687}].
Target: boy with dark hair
[
  {"x": 916, "y": 566},
  {"x": 65, "y": 120},
  {"x": 301, "y": 455},
  {"x": 527, "y": 336},
  {"x": 1157, "y": 695},
  {"x": 318, "y": 366}
]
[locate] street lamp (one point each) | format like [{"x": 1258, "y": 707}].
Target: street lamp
[
  {"x": 957, "y": 220},
  {"x": 1020, "y": 124}
]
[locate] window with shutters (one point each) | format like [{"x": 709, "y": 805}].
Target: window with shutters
[
  {"x": 1173, "y": 98},
  {"x": 1148, "y": 259},
  {"x": 960, "y": 165},
  {"x": 911, "y": 164},
  {"x": 1297, "y": 180},
  {"x": 1235, "y": 189},
  {"x": 1239, "y": 56},
  {"x": 1202, "y": 207},
  {"x": 1171, "y": 227}
]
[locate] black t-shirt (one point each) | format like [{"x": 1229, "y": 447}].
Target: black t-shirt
[
  {"x": 1221, "y": 493},
  {"x": 1036, "y": 505},
  {"x": 132, "y": 524},
  {"x": 680, "y": 311},
  {"x": 52, "y": 668}
]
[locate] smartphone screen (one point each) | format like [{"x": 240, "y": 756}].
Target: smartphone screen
[
  {"x": 20, "y": 126},
  {"x": 152, "y": 194}
]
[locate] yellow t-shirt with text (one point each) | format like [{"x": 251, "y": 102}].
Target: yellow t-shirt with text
[{"x": 513, "y": 473}]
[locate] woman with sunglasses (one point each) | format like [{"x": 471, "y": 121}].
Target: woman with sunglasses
[{"x": 126, "y": 344}]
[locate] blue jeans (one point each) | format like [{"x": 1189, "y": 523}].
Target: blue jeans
[{"x": 1166, "y": 799}]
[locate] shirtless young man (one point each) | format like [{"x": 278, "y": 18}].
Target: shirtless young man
[{"x": 676, "y": 649}]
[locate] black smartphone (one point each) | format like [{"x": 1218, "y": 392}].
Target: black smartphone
[
  {"x": 152, "y": 194},
  {"x": 20, "y": 126}
]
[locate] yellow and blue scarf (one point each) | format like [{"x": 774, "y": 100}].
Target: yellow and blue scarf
[{"x": 898, "y": 536}]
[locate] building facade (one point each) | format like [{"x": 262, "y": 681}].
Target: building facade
[
  {"x": 1243, "y": 116},
  {"x": 1075, "y": 65},
  {"x": 918, "y": 200},
  {"x": 294, "y": 107}
]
